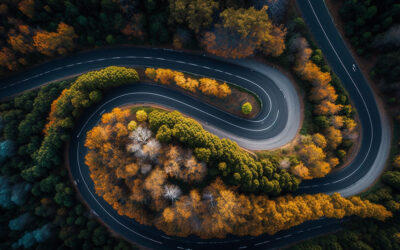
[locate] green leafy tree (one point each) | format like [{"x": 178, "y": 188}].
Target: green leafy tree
[
  {"x": 164, "y": 134},
  {"x": 247, "y": 108}
]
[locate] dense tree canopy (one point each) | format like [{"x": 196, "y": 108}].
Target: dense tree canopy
[
  {"x": 242, "y": 31},
  {"x": 373, "y": 28},
  {"x": 366, "y": 233},
  {"x": 28, "y": 208},
  {"x": 157, "y": 184},
  {"x": 197, "y": 14},
  {"x": 322, "y": 151},
  {"x": 69, "y": 104},
  {"x": 241, "y": 168}
]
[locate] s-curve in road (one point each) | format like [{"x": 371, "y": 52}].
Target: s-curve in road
[{"x": 276, "y": 124}]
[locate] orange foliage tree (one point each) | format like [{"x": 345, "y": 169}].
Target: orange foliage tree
[
  {"x": 164, "y": 76},
  {"x": 207, "y": 86},
  {"x": 51, "y": 43},
  {"x": 324, "y": 96},
  {"x": 21, "y": 42},
  {"x": 140, "y": 161},
  {"x": 137, "y": 185},
  {"x": 7, "y": 59},
  {"x": 220, "y": 211}
]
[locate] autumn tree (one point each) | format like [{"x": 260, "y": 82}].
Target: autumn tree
[
  {"x": 319, "y": 140},
  {"x": 275, "y": 43},
  {"x": 27, "y": 7},
  {"x": 150, "y": 73},
  {"x": 51, "y": 43},
  {"x": 311, "y": 153},
  {"x": 164, "y": 76},
  {"x": 184, "y": 166},
  {"x": 149, "y": 189},
  {"x": 197, "y": 14},
  {"x": 334, "y": 137},
  {"x": 349, "y": 124},
  {"x": 69, "y": 104},
  {"x": 396, "y": 161},
  {"x": 314, "y": 159},
  {"x": 224, "y": 90},
  {"x": 21, "y": 41},
  {"x": 132, "y": 125},
  {"x": 337, "y": 121},
  {"x": 141, "y": 115},
  {"x": 301, "y": 171},
  {"x": 186, "y": 83},
  {"x": 7, "y": 59},
  {"x": 242, "y": 31},
  {"x": 208, "y": 86}
]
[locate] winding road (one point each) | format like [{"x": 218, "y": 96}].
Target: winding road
[{"x": 276, "y": 125}]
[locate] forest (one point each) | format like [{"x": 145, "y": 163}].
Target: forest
[
  {"x": 366, "y": 233},
  {"x": 373, "y": 28},
  {"x": 162, "y": 169},
  {"x": 212, "y": 165},
  {"x": 187, "y": 24},
  {"x": 35, "y": 29},
  {"x": 37, "y": 199},
  {"x": 150, "y": 165}
]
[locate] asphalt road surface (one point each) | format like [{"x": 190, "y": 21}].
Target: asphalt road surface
[{"x": 275, "y": 126}]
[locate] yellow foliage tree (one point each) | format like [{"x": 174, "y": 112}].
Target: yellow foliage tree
[
  {"x": 215, "y": 211},
  {"x": 319, "y": 140},
  {"x": 349, "y": 124},
  {"x": 132, "y": 125},
  {"x": 337, "y": 121},
  {"x": 333, "y": 161},
  {"x": 164, "y": 76},
  {"x": 150, "y": 73},
  {"x": 311, "y": 153},
  {"x": 275, "y": 43},
  {"x": 224, "y": 90},
  {"x": 141, "y": 115},
  {"x": 319, "y": 169}
]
